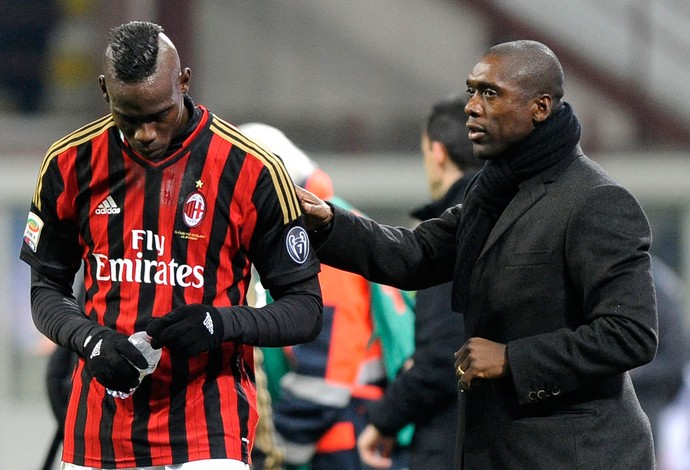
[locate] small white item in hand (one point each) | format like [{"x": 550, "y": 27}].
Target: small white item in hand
[{"x": 142, "y": 342}]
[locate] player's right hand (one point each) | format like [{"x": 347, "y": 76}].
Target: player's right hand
[
  {"x": 112, "y": 360},
  {"x": 317, "y": 214}
]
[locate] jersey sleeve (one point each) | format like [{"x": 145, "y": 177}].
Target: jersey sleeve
[
  {"x": 50, "y": 243},
  {"x": 280, "y": 247}
]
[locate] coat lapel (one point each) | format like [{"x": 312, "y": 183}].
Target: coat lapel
[{"x": 530, "y": 192}]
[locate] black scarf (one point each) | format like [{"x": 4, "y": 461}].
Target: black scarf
[{"x": 548, "y": 145}]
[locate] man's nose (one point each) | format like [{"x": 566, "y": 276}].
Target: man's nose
[
  {"x": 145, "y": 133},
  {"x": 472, "y": 107}
]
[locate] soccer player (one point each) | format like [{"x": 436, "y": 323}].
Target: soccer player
[{"x": 168, "y": 206}]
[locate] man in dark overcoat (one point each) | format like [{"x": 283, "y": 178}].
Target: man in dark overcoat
[{"x": 549, "y": 258}]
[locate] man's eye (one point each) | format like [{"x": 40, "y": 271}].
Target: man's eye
[
  {"x": 126, "y": 120},
  {"x": 489, "y": 92}
]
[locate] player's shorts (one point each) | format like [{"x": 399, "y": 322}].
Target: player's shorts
[{"x": 213, "y": 464}]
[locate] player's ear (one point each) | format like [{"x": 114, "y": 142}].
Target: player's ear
[
  {"x": 104, "y": 89},
  {"x": 185, "y": 77}
]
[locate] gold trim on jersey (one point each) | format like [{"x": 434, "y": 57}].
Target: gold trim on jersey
[
  {"x": 281, "y": 179},
  {"x": 78, "y": 137}
]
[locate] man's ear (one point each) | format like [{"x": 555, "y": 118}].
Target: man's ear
[
  {"x": 104, "y": 89},
  {"x": 542, "y": 107},
  {"x": 439, "y": 153},
  {"x": 185, "y": 77}
]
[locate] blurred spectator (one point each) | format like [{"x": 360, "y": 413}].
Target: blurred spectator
[
  {"x": 367, "y": 334},
  {"x": 674, "y": 431},
  {"x": 266, "y": 453},
  {"x": 58, "y": 382},
  {"x": 25, "y": 29},
  {"x": 658, "y": 382},
  {"x": 58, "y": 378}
]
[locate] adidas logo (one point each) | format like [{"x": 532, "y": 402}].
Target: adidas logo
[
  {"x": 108, "y": 206},
  {"x": 96, "y": 349},
  {"x": 208, "y": 323}
]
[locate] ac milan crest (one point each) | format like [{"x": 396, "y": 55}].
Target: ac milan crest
[{"x": 194, "y": 209}]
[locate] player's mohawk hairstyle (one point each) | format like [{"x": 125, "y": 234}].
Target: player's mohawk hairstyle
[{"x": 134, "y": 50}]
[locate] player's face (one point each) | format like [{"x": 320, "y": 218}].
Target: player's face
[
  {"x": 150, "y": 113},
  {"x": 500, "y": 113}
]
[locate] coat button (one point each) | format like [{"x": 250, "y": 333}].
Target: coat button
[
  {"x": 541, "y": 394},
  {"x": 532, "y": 395}
]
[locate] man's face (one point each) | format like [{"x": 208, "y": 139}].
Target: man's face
[
  {"x": 500, "y": 114},
  {"x": 149, "y": 113}
]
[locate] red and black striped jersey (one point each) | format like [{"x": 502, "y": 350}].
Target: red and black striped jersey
[{"x": 154, "y": 236}]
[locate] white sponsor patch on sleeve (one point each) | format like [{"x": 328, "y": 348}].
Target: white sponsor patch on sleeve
[{"x": 32, "y": 232}]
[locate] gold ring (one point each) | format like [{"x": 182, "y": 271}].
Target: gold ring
[{"x": 460, "y": 372}]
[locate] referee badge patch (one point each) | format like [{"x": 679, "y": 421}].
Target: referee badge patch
[{"x": 297, "y": 243}]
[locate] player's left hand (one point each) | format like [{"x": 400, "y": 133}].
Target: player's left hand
[{"x": 190, "y": 329}]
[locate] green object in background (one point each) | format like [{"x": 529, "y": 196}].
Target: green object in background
[
  {"x": 275, "y": 366},
  {"x": 393, "y": 314}
]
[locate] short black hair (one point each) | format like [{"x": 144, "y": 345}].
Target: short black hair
[
  {"x": 534, "y": 65},
  {"x": 134, "y": 50},
  {"x": 445, "y": 123}
]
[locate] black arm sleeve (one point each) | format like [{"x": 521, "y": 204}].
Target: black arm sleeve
[
  {"x": 395, "y": 256},
  {"x": 57, "y": 314},
  {"x": 294, "y": 317}
]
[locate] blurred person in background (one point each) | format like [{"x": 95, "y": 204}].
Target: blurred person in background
[
  {"x": 267, "y": 454},
  {"x": 425, "y": 392},
  {"x": 168, "y": 207},
  {"x": 58, "y": 379},
  {"x": 549, "y": 258},
  {"x": 673, "y": 429},
  {"x": 320, "y": 405},
  {"x": 658, "y": 382}
]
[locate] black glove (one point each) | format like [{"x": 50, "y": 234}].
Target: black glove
[
  {"x": 189, "y": 329},
  {"x": 112, "y": 360}
]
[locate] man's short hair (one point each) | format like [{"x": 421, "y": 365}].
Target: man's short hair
[
  {"x": 534, "y": 65},
  {"x": 134, "y": 50},
  {"x": 446, "y": 124}
]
